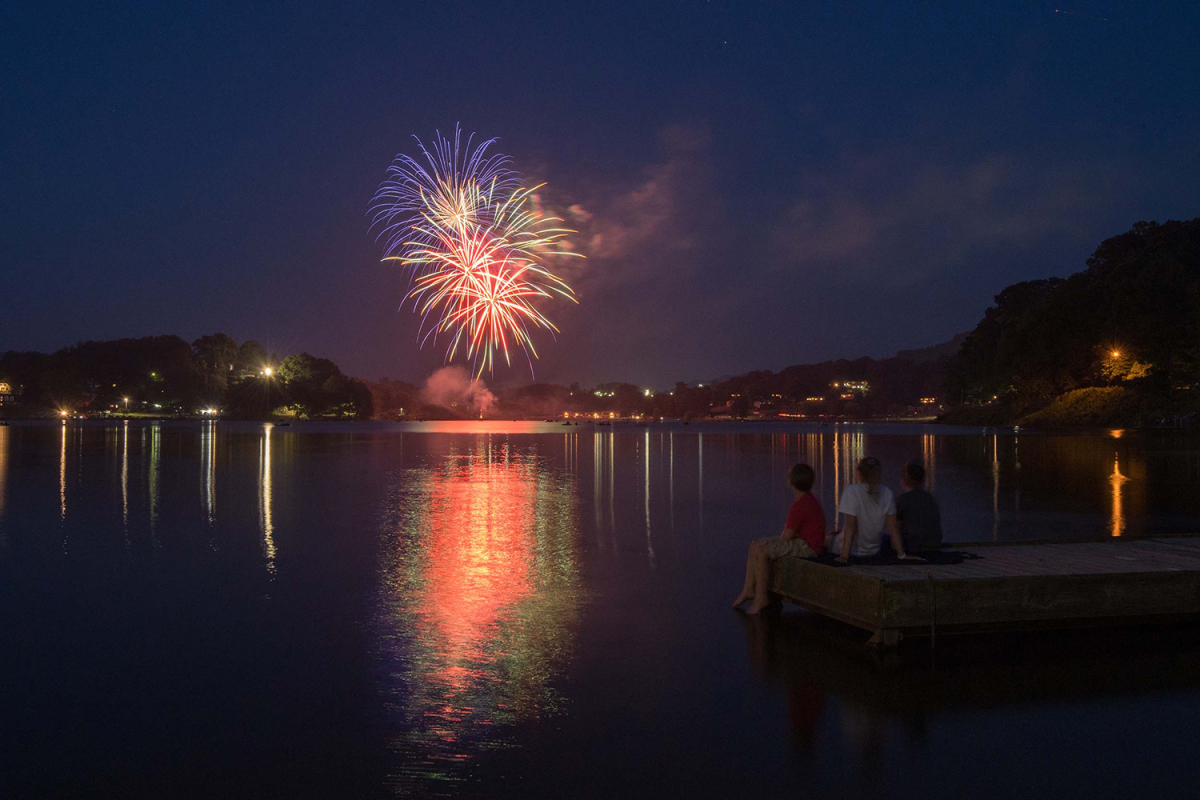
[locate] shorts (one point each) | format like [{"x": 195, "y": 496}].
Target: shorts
[{"x": 778, "y": 547}]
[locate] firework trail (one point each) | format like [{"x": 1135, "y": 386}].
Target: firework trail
[{"x": 475, "y": 250}]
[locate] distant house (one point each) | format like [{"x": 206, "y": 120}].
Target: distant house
[{"x": 8, "y": 394}]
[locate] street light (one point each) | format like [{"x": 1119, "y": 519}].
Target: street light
[
  {"x": 126, "y": 399},
  {"x": 1116, "y": 353}
]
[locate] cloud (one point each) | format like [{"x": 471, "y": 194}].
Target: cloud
[{"x": 623, "y": 226}]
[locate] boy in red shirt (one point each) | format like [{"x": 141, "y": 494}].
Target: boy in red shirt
[{"x": 803, "y": 536}]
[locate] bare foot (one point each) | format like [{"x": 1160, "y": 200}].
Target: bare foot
[
  {"x": 743, "y": 597},
  {"x": 756, "y": 607}
]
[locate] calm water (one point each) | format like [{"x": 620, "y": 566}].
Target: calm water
[{"x": 530, "y": 610}]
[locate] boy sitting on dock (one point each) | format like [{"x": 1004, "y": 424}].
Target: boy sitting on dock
[
  {"x": 917, "y": 511},
  {"x": 803, "y": 536},
  {"x": 867, "y": 508}
]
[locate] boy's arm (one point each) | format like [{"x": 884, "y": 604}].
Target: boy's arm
[
  {"x": 894, "y": 530},
  {"x": 851, "y": 528},
  {"x": 788, "y": 533}
]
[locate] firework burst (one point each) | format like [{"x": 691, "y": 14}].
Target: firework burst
[{"x": 475, "y": 249}]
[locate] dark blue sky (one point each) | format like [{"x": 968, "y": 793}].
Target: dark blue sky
[{"x": 756, "y": 184}]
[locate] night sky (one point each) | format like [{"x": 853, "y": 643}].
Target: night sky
[{"x": 757, "y": 184}]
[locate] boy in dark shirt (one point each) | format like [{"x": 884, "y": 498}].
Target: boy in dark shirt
[{"x": 917, "y": 511}]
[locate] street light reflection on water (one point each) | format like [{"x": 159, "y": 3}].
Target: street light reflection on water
[
  {"x": 265, "y": 499},
  {"x": 3, "y": 481}
]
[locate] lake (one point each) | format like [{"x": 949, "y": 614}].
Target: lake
[{"x": 514, "y": 609}]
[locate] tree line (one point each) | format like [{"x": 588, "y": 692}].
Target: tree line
[{"x": 167, "y": 375}]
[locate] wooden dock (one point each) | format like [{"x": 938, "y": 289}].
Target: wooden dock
[{"x": 1008, "y": 586}]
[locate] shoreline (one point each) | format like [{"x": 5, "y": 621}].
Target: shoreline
[{"x": 622, "y": 423}]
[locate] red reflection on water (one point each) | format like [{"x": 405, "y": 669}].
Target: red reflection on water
[
  {"x": 500, "y": 426},
  {"x": 481, "y": 596},
  {"x": 480, "y": 545}
]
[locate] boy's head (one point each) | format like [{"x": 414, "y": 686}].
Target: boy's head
[
  {"x": 801, "y": 476},
  {"x": 869, "y": 470},
  {"x": 913, "y": 476}
]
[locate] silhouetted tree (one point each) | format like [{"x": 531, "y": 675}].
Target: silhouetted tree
[
  {"x": 1132, "y": 316},
  {"x": 215, "y": 355},
  {"x": 251, "y": 357}
]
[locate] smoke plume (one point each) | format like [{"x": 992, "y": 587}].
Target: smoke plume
[{"x": 451, "y": 386}]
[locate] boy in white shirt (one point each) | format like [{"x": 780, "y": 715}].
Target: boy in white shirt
[{"x": 867, "y": 508}]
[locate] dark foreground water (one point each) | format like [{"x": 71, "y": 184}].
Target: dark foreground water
[{"x": 529, "y": 610}]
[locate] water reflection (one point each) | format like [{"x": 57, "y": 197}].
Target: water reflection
[
  {"x": 125, "y": 479},
  {"x": 265, "y": 498},
  {"x": 480, "y": 598},
  {"x": 848, "y": 450},
  {"x": 646, "y": 495},
  {"x": 929, "y": 458},
  {"x": 62, "y": 473},
  {"x": 671, "y": 480},
  {"x": 208, "y": 468},
  {"x": 3, "y": 481},
  {"x": 1117, "y": 481},
  {"x": 995, "y": 487},
  {"x": 470, "y": 551},
  {"x": 603, "y": 489},
  {"x": 597, "y": 494},
  {"x": 834, "y": 695},
  {"x": 611, "y": 443},
  {"x": 153, "y": 480}
]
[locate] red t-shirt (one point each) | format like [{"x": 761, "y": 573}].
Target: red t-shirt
[{"x": 808, "y": 521}]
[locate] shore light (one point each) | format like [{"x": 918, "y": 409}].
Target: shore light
[
  {"x": 1116, "y": 353},
  {"x": 267, "y": 371}
]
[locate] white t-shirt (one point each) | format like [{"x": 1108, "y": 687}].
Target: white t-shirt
[{"x": 871, "y": 511}]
